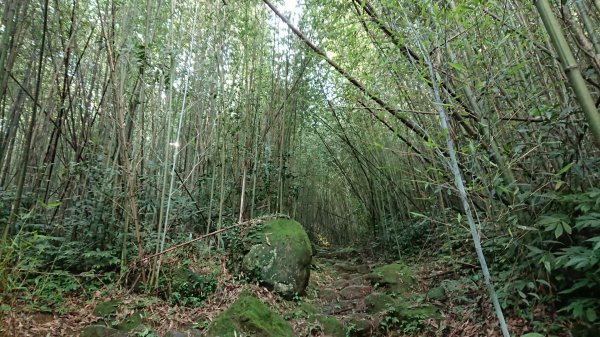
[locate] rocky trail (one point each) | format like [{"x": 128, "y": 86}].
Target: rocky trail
[
  {"x": 359, "y": 297},
  {"x": 352, "y": 295},
  {"x": 348, "y": 294}
]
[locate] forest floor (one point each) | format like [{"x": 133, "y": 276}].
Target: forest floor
[{"x": 339, "y": 292}]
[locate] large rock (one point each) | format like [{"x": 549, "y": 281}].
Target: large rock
[
  {"x": 248, "y": 316},
  {"x": 280, "y": 257}
]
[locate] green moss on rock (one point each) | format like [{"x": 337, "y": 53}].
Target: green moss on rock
[
  {"x": 378, "y": 302},
  {"x": 436, "y": 294},
  {"x": 406, "y": 314},
  {"x": 280, "y": 257},
  {"x": 331, "y": 326},
  {"x": 101, "y": 331},
  {"x": 359, "y": 326},
  {"x": 248, "y": 316},
  {"x": 395, "y": 277},
  {"x": 130, "y": 323}
]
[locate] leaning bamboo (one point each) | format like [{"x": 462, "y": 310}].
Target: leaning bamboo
[{"x": 570, "y": 67}]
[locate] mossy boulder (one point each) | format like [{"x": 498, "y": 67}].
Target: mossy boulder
[
  {"x": 378, "y": 302},
  {"x": 248, "y": 316},
  {"x": 395, "y": 277},
  {"x": 281, "y": 257}
]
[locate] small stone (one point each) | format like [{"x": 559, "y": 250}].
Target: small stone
[
  {"x": 101, "y": 331},
  {"x": 339, "y": 307},
  {"x": 436, "y": 294},
  {"x": 359, "y": 280},
  {"x": 363, "y": 269},
  {"x": 328, "y": 295},
  {"x": 187, "y": 333},
  {"x": 345, "y": 267},
  {"x": 341, "y": 283},
  {"x": 355, "y": 292}
]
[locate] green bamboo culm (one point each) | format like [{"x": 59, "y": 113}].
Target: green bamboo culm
[{"x": 570, "y": 67}]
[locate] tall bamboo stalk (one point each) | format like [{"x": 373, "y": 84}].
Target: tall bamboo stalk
[
  {"x": 570, "y": 67},
  {"x": 458, "y": 181},
  {"x": 10, "y": 225}
]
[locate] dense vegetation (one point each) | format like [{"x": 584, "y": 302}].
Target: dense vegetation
[{"x": 128, "y": 127}]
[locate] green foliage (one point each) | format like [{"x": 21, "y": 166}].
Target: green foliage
[
  {"x": 54, "y": 253},
  {"x": 565, "y": 243},
  {"x": 414, "y": 234},
  {"x": 407, "y": 320},
  {"x": 185, "y": 287},
  {"x": 49, "y": 291}
]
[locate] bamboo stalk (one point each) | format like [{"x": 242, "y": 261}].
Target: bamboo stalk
[
  {"x": 458, "y": 181},
  {"x": 570, "y": 67}
]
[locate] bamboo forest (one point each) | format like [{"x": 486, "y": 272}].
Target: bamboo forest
[{"x": 279, "y": 168}]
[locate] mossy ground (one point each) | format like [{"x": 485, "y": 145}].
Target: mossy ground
[
  {"x": 248, "y": 316},
  {"x": 378, "y": 302},
  {"x": 395, "y": 277}
]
